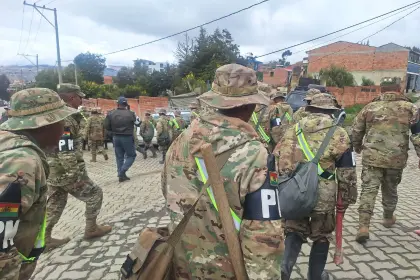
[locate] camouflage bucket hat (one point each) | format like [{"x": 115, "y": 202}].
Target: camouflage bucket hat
[
  {"x": 34, "y": 108},
  {"x": 162, "y": 111},
  {"x": 311, "y": 93},
  {"x": 234, "y": 85},
  {"x": 323, "y": 101},
  {"x": 70, "y": 88},
  {"x": 279, "y": 95},
  {"x": 193, "y": 105}
]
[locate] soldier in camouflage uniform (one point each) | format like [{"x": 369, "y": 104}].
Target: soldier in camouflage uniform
[
  {"x": 381, "y": 133},
  {"x": 85, "y": 115},
  {"x": 203, "y": 253},
  {"x": 337, "y": 161},
  {"x": 301, "y": 113},
  {"x": 280, "y": 115},
  {"x": 69, "y": 175},
  {"x": 147, "y": 132},
  {"x": 35, "y": 124},
  {"x": 95, "y": 134},
  {"x": 194, "y": 111},
  {"x": 163, "y": 133},
  {"x": 177, "y": 124}
]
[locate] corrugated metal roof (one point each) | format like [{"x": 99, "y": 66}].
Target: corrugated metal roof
[{"x": 183, "y": 100}]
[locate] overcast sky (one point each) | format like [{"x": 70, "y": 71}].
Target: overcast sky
[{"x": 102, "y": 26}]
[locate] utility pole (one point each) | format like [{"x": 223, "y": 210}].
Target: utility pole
[
  {"x": 36, "y": 60},
  {"x": 55, "y": 26},
  {"x": 75, "y": 73}
]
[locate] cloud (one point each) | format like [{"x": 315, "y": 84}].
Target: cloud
[{"x": 103, "y": 26}]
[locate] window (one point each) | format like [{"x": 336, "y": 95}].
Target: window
[
  {"x": 271, "y": 74},
  {"x": 161, "y": 65},
  {"x": 414, "y": 57}
]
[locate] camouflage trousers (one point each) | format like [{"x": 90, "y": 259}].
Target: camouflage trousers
[
  {"x": 14, "y": 269},
  {"x": 97, "y": 147},
  {"x": 316, "y": 227},
  {"x": 85, "y": 190},
  {"x": 374, "y": 178}
]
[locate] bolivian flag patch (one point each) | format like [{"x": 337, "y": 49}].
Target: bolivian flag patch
[
  {"x": 274, "y": 179},
  {"x": 9, "y": 210},
  {"x": 67, "y": 133}
]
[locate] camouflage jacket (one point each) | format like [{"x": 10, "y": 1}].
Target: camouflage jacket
[
  {"x": 95, "y": 128},
  {"x": 281, "y": 111},
  {"x": 289, "y": 154},
  {"x": 67, "y": 165},
  {"x": 203, "y": 253},
  {"x": 382, "y": 131},
  {"x": 162, "y": 125},
  {"x": 147, "y": 129},
  {"x": 84, "y": 116},
  {"x": 18, "y": 153},
  {"x": 300, "y": 114}
]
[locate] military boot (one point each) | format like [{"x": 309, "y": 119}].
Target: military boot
[
  {"x": 154, "y": 155},
  {"x": 389, "y": 222},
  {"x": 105, "y": 156},
  {"x": 163, "y": 157},
  {"x": 94, "y": 230},
  {"x": 363, "y": 234},
  {"x": 317, "y": 260},
  {"x": 52, "y": 243},
  {"x": 93, "y": 158},
  {"x": 292, "y": 247}
]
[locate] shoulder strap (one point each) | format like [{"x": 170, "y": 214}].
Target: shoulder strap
[
  {"x": 261, "y": 112},
  {"x": 173, "y": 240}
]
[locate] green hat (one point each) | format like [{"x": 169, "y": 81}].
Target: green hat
[
  {"x": 70, "y": 88},
  {"x": 311, "y": 93},
  {"x": 234, "y": 85},
  {"x": 323, "y": 101},
  {"x": 35, "y": 107},
  {"x": 279, "y": 95}
]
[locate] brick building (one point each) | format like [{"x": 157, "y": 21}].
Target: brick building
[{"x": 376, "y": 63}]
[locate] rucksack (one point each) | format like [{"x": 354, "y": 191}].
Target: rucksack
[{"x": 298, "y": 192}]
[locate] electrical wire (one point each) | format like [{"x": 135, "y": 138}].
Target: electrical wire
[
  {"x": 192, "y": 28},
  {"x": 377, "y": 32},
  {"x": 30, "y": 29},
  {"x": 21, "y": 28},
  {"x": 337, "y": 31},
  {"x": 363, "y": 27}
]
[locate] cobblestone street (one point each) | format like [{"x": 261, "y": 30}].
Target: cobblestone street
[{"x": 130, "y": 206}]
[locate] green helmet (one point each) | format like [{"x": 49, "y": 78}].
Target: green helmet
[{"x": 35, "y": 107}]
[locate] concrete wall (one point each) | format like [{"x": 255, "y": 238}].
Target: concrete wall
[{"x": 379, "y": 75}]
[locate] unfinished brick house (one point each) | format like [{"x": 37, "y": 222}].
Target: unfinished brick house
[{"x": 379, "y": 64}]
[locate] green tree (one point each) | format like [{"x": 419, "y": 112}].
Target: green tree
[
  {"x": 47, "y": 78},
  {"x": 209, "y": 52},
  {"x": 283, "y": 62},
  {"x": 336, "y": 76},
  {"x": 125, "y": 77},
  {"x": 4, "y": 85},
  {"x": 367, "y": 82},
  {"x": 91, "y": 66}
]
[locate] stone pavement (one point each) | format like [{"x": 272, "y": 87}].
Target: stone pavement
[{"x": 130, "y": 206}]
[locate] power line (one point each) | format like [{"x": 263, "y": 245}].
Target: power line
[
  {"x": 50, "y": 2},
  {"x": 21, "y": 28},
  {"x": 363, "y": 27},
  {"x": 192, "y": 28},
  {"x": 337, "y": 31},
  {"x": 30, "y": 29},
  {"x": 377, "y": 32}
]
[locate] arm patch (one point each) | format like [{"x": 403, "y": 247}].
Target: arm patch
[
  {"x": 66, "y": 143},
  {"x": 348, "y": 159},
  {"x": 262, "y": 205}
]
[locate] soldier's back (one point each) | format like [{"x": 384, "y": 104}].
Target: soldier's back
[
  {"x": 300, "y": 114},
  {"x": 385, "y": 125},
  {"x": 204, "y": 254},
  {"x": 96, "y": 128}
]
